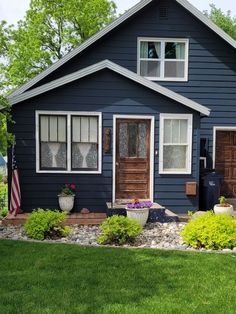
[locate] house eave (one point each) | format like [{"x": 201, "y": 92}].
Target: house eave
[
  {"x": 82, "y": 47},
  {"x": 107, "y": 64},
  {"x": 205, "y": 20},
  {"x": 113, "y": 25}
]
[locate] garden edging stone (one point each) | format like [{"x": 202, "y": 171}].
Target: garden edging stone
[{"x": 154, "y": 235}]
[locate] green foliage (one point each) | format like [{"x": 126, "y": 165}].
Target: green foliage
[
  {"x": 43, "y": 224},
  {"x": 211, "y": 231},
  {"x": 222, "y": 200},
  {"x": 3, "y": 195},
  {"x": 49, "y": 30},
  {"x": 3, "y": 212},
  {"x": 119, "y": 230},
  {"x": 6, "y": 138},
  {"x": 224, "y": 21}
]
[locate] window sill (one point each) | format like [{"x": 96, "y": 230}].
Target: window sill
[
  {"x": 156, "y": 79},
  {"x": 69, "y": 172},
  {"x": 175, "y": 172}
]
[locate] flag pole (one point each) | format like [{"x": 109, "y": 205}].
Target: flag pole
[{"x": 15, "y": 199}]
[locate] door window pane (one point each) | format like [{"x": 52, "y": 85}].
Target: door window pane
[
  {"x": 133, "y": 135},
  {"x": 123, "y": 140},
  {"x": 142, "y": 140}
]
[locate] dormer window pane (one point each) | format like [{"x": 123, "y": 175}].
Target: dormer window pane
[{"x": 163, "y": 59}]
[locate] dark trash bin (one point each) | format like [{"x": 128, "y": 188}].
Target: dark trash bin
[{"x": 210, "y": 190}]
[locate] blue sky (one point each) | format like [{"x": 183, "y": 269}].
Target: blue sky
[{"x": 13, "y": 10}]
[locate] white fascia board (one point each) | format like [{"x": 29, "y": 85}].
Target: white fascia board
[
  {"x": 112, "y": 26},
  {"x": 106, "y": 64},
  {"x": 83, "y": 46},
  {"x": 200, "y": 16}
]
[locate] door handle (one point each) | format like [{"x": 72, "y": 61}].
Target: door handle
[{"x": 117, "y": 164}]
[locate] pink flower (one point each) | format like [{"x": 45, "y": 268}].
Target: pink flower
[
  {"x": 72, "y": 186},
  {"x": 67, "y": 185}
]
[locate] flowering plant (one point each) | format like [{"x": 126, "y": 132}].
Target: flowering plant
[
  {"x": 68, "y": 189},
  {"x": 137, "y": 204}
]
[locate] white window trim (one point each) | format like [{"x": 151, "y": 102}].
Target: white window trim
[
  {"x": 163, "y": 40},
  {"x": 215, "y": 129},
  {"x": 152, "y": 131},
  {"x": 69, "y": 114},
  {"x": 188, "y": 117}
]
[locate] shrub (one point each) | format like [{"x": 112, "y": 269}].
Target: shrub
[
  {"x": 3, "y": 195},
  {"x": 43, "y": 224},
  {"x": 3, "y": 212},
  {"x": 211, "y": 231},
  {"x": 119, "y": 230}
]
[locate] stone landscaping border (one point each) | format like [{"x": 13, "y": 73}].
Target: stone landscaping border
[{"x": 155, "y": 235}]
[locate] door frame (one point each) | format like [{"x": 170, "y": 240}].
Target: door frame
[
  {"x": 215, "y": 129},
  {"x": 151, "y": 175}
]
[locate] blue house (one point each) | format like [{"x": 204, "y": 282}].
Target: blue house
[
  {"x": 130, "y": 112},
  {"x": 3, "y": 165}
]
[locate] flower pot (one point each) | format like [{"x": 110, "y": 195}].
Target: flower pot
[
  {"x": 138, "y": 214},
  {"x": 66, "y": 202},
  {"x": 218, "y": 209}
]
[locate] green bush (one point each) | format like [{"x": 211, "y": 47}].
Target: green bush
[
  {"x": 211, "y": 231},
  {"x": 3, "y": 195},
  {"x": 43, "y": 224},
  {"x": 119, "y": 230},
  {"x": 3, "y": 212}
]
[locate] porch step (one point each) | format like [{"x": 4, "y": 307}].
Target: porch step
[{"x": 72, "y": 219}]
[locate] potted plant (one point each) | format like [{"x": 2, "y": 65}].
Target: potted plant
[
  {"x": 66, "y": 197},
  {"x": 223, "y": 207},
  {"x": 139, "y": 211}
]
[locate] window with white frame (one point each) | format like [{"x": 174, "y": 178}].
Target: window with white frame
[
  {"x": 163, "y": 59},
  {"x": 175, "y": 143},
  {"x": 68, "y": 142}
]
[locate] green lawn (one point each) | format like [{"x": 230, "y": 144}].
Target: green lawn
[{"x": 58, "y": 278}]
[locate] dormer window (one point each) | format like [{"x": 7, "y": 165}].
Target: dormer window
[{"x": 163, "y": 59}]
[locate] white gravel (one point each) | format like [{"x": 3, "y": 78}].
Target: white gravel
[{"x": 154, "y": 235}]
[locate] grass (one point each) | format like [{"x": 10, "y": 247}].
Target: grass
[{"x": 58, "y": 278}]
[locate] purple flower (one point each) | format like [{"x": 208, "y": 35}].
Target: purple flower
[{"x": 145, "y": 204}]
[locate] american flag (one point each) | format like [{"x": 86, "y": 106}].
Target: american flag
[{"x": 15, "y": 201}]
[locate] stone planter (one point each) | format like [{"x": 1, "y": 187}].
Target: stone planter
[
  {"x": 66, "y": 202},
  {"x": 218, "y": 209},
  {"x": 138, "y": 214}
]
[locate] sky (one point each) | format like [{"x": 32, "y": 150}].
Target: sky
[{"x": 13, "y": 10}]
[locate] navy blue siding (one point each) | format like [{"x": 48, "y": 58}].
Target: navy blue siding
[
  {"x": 110, "y": 94},
  {"x": 212, "y": 62}
]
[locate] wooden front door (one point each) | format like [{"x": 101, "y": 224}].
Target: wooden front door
[
  {"x": 225, "y": 161},
  {"x": 132, "y": 159}
]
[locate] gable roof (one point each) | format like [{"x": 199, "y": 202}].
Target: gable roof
[
  {"x": 112, "y": 26},
  {"x": 106, "y": 64}
]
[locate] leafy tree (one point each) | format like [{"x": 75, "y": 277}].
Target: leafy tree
[
  {"x": 225, "y": 21},
  {"x": 49, "y": 30},
  {"x": 6, "y": 138}
]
